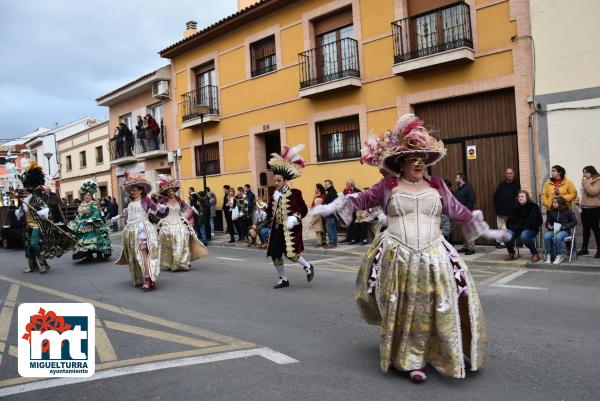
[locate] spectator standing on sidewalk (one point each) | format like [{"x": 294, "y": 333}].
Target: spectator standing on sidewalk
[
  {"x": 561, "y": 220},
  {"x": 212, "y": 199},
  {"x": 505, "y": 199},
  {"x": 330, "y": 221},
  {"x": 466, "y": 195},
  {"x": 558, "y": 185},
  {"x": 316, "y": 223},
  {"x": 251, "y": 199},
  {"x": 227, "y": 205},
  {"x": 350, "y": 188},
  {"x": 524, "y": 222},
  {"x": 590, "y": 208}
]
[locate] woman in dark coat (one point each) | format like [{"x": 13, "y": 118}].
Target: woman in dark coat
[
  {"x": 560, "y": 214},
  {"x": 524, "y": 222}
]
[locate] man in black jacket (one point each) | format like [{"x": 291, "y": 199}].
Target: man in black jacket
[
  {"x": 330, "y": 222},
  {"x": 227, "y": 212},
  {"x": 505, "y": 200},
  {"x": 466, "y": 195}
]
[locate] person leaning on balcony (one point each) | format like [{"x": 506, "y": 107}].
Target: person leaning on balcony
[
  {"x": 590, "y": 208},
  {"x": 524, "y": 221},
  {"x": 127, "y": 136},
  {"x": 119, "y": 142},
  {"x": 558, "y": 185},
  {"x": 152, "y": 132},
  {"x": 140, "y": 134}
]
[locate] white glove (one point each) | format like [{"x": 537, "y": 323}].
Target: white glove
[
  {"x": 43, "y": 213},
  {"x": 382, "y": 220},
  {"x": 498, "y": 235},
  {"x": 162, "y": 207},
  {"x": 276, "y": 196},
  {"x": 324, "y": 210},
  {"x": 291, "y": 222}
]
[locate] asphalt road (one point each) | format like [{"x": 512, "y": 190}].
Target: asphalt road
[{"x": 221, "y": 332}]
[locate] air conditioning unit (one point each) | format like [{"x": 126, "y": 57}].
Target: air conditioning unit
[{"x": 160, "y": 90}]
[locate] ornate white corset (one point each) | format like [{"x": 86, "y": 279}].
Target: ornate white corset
[
  {"x": 414, "y": 218},
  {"x": 136, "y": 213},
  {"x": 174, "y": 216}
]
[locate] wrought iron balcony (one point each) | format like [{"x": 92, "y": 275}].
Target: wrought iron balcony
[
  {"x": 206, "y": 95},
  {"x": 433, "y": 32},
  {"x": 329, "y": 62},
  {"x": 121, "y": 148}
]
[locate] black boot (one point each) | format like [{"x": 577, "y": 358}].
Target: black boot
[{"x": 582, "y": 252}]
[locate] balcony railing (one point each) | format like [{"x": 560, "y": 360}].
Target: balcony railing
[
  {"x": 329, "y": 62},
  {"x": 206, "y": 95},
  {"x": 436, "y": 31},
  {"x": 134, "y": 146},
  {"x": 339, "y": 155}
]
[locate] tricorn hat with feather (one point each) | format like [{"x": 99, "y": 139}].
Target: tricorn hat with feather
[{"x": 289, "y": 163}]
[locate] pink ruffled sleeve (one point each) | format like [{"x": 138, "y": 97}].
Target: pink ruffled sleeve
[{"x": 364, "y": 200}]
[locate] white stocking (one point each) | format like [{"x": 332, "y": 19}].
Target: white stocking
[
  {"x": 303, "y": 262},
  {"x": 281, "y": 271}
]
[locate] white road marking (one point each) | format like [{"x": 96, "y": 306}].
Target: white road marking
[
  {"x": 510, "y": 277},
  {"x": 266, "y": 353},
  {"x": 503, "y": 282},
  {"x": 518, "y": 287},
  {"x": 234, "y": 259},
  {"x": 326, "y": 260}
]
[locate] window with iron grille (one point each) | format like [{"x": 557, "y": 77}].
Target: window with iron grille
[
  {"x": 69, "y": 163},
  {"x": 262, "y": 56},
  {"x": 338, "y": 139},
  {"x": 213, "y": 163},
  {"x": 82, "y": 159},
  {"x": 99, "y": 155}
]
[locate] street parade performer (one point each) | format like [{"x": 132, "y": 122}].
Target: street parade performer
[
  {"x": 412, "y": 282},
  {"x": 91, "y": 231},
  {"x": 178, "y": 243},
  {"x": 285, "y": 210},
  {"x": 140, "y": 239},
  {"x": 43, "y": 239}
]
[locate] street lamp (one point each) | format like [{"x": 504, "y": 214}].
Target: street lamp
[
  {"x": 202, "y": 109},
  {"x": 49, "y": 156}
]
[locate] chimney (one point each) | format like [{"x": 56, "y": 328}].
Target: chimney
[
  {"x": 246, "y": 3},
  {"x": 190, "y": 29}
]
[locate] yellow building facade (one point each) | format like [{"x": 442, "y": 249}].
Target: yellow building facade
[
  {"x": 328, "y": 74},
  {"x": 85, "y": 156}
]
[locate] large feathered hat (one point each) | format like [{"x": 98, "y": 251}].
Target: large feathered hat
[
  {"x": 89, "y": 187},
  {"x": 136, "y": 180},
  {"x": 33, "y": 176},
  {"x": 289, "y": 163},
  {"x": 409, "y": 137},
  {"x": 166, "y": 182}
]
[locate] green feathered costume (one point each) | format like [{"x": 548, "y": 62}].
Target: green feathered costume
[{"x": 92, "y": 233}]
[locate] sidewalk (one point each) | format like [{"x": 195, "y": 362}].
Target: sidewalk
[{"x": 485, "y": 256}]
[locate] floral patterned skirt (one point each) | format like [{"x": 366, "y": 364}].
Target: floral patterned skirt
[{"x": 426, "y": 304}]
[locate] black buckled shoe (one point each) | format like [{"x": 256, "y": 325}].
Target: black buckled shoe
[
  {"x": 281, "y": 284},
  {"x": 310, "y": 273}
]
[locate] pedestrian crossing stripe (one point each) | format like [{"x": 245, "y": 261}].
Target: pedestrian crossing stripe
[{"x": 197, "y": 341}]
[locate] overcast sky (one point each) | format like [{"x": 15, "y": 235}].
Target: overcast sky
[{"x": 57, "y": 56}]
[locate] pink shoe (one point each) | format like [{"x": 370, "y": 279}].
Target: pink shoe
[
  {"x": 148, "y": 284},
  {"x": 418, "y": 376}
]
